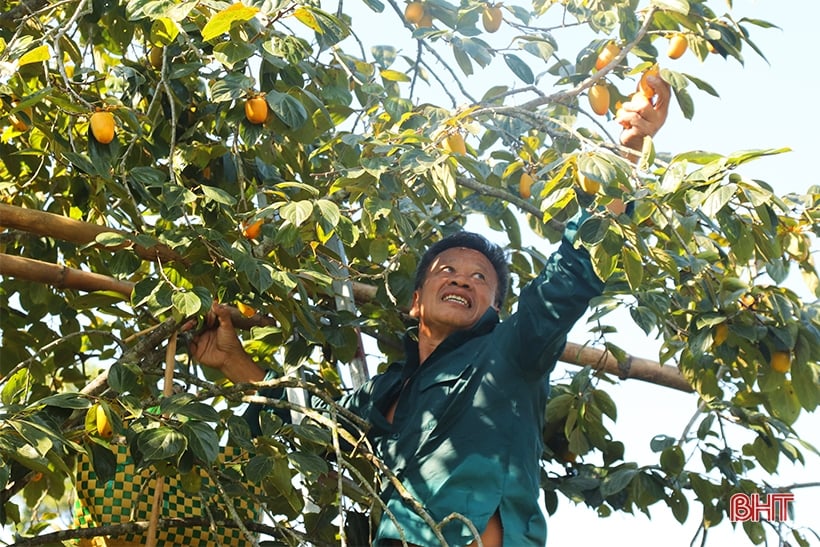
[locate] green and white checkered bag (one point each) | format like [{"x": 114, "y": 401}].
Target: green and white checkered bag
[{"x": 129, "y": 497}]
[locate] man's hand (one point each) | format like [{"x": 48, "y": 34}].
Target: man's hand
[
  {"x": 641, "y": 117},
  {"x": 218, "y": 346}
]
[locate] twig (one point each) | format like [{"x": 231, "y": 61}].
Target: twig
[{"x": 58, "y": 341}]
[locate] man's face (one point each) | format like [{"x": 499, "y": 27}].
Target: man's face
[{"x": 459, "y": 287}]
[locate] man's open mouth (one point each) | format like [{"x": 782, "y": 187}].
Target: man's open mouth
[{"x": 457, "y": 299}]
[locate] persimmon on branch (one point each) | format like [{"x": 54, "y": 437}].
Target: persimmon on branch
[{"x": 46, "y": 224}]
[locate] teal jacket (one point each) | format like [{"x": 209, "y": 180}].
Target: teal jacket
[{"x": 466, "y": 434}]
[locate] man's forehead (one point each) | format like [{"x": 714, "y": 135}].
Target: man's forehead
[{"x": 462, "y": 254}]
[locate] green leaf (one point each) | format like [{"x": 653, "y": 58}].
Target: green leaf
[
  {"x": 148, "y": 176},
  {"x": 103, "y": 461},
  {"x": 462, "y": 58},
  {"x": 163, "y": 32},
  {"x": 679, "y": 505},
  {"x": 202, "y": 440},
  {"x": 717, "y": 199},
  {"x": 308, "y": 464},
  {"x": 783, "y": 402},
  {"x": 605, "y": 403},
  {"x": 222, "y": 21},
  {"x": 702, "y": 85},
  {"x": 687, "y": 105},
  {"x": 672, "y": 460},
  {"x": 186, "y": 303},
  {"x": 212, "y": 193},
  {"x": 478, "y": 50},
  {"x": 240, "y": 432},
  {"x": 124, "y": 377},
  {"x": 65, "y": 400},
  {"x": 764, "y": 449},
  {"x": 329, "y": 30},
  {"x": 661, "y": 442},
  {"x": 519, "y": 68},
  {"x": 259, "y": 467},
  {"x": 394, "y": 76},
  {"x": 198, "y": 411},
  {"x": 161, "y": 444},
  {"x": 543, "y": 49},
  {"x": 755, "y": 531},
  {"x": 617, "y": 481},
  {"x": 805, "y": 376},
  {"x": 633, "y": 266},
  {"x": 375, "y": 5},
  {"x": 329, "y": 212},
  {"x": 233, "y": 52},
  {"x": 287, "y": 108},
  {"x": 82, "y": 162},
  {"x": 593, "y": 230},
  {"x": 679, "y": 6},
  {"x": 297, "y": 212}
]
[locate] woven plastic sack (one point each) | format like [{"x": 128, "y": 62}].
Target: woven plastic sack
[{"x": 129, "y": 497}]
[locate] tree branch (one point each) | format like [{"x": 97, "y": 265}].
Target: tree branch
[
  {"x": 500, "y": 193},
  {"x": 139, "y": 527}
]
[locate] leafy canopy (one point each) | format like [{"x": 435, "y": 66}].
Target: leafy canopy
[{"x": 334, "y": 195}]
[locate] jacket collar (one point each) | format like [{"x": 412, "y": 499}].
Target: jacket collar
[{"x": 483, "y": 326}]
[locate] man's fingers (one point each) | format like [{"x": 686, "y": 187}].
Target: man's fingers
[{"x": 223, "y": 314}]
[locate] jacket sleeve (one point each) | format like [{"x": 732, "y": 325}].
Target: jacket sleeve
[{"x": 551, "y": 304}]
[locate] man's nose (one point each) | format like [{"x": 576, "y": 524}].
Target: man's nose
[{"x": 460, "y": 280}]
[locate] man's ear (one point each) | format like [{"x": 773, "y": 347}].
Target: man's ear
[{"x": 414, "y": 307}]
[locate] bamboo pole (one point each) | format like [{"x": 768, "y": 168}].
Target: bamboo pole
[
  {"x": 635, "y": 368},
  {"x": 574, "y": 354},
  {"x": 167, "y": 391},
  {"x": 61, "y": 277},
  {"x": 76, "y": 231}
]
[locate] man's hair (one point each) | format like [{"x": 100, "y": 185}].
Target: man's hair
[{"x": 494, "y": 253}]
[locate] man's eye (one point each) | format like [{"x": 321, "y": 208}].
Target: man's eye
[
  {"x": 447, "y": 269},
  {"x": 479, "y": 275}
]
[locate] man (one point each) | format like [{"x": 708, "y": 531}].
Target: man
[{"x": 459, "y": 421}]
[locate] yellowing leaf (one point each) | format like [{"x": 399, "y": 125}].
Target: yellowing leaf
[
  {"x": 222, "y": 21},
  {"x": 307, "y": 18},
  {"x": 36, "y": 55},
  {"x": 163, "y": 32},
  {"x": 394, "y": 76}
]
